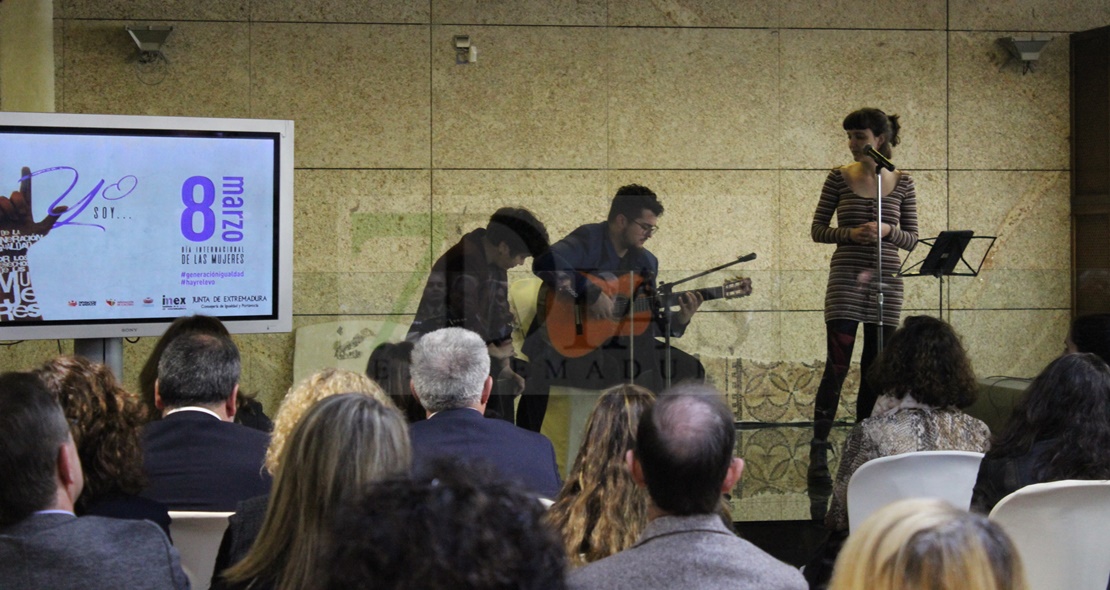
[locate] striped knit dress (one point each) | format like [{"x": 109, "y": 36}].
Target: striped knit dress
[{"x": 850, "y": 294}]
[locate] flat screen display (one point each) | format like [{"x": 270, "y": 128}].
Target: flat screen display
[{"x": 116, "y": 225}]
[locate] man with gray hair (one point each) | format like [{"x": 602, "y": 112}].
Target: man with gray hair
[
  {"x": 683, "y": 455},
  {"x": 195, "y": 457},
  {"x": 450, "y": 377}
]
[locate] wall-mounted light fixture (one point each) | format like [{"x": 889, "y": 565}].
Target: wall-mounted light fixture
[
  {"x": 1027, "y": 51},
  {"x": 465, "y": 51},
  {"x": 149, "y": 40}
]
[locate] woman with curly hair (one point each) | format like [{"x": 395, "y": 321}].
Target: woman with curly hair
[
  {"x": 600, "y": 510},
  {"x": 105, "y": 421},
  {"x": 924, "y": 378},
  {"x": 1060, "y": 430}
]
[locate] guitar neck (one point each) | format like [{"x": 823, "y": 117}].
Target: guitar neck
[{"x": 707, "y": 294}]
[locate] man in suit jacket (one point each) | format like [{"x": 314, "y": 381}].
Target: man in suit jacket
[
  {"x": 683, "y": 455},
  {"x": 450, "y": 377},
  {"x": 42, "y": 543},
  {"x": 195, "y": 457}
]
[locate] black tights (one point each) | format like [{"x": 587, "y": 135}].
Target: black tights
[{"x": 841, "y": 339}]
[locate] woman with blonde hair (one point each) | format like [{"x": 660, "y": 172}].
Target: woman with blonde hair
[
  {"x": 927, "y": 544},
  {"x": 342, "y": 444},
  {"x": 600, "y": 510},
  {"x": 301, "y": 397}
]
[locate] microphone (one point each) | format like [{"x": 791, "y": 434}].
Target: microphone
[{"x": 880, "y": 160}]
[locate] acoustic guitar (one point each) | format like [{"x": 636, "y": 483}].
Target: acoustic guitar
[{"x": 574, "y": 332}]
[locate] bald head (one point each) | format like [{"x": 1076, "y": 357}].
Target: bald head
[{"x": 684, "y": 445}]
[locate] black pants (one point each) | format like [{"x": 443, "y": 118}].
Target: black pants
[
  {"x": 840, "y": 340},
  {"x": 639, "y": 360}
]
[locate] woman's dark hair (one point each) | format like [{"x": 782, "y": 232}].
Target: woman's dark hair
[
  {"x": 879, "y": 123},
  {"x": 925, "y": 359},
  {"x": 1068, "y": 403},
  {"x": 388, "y": 366},
  {"x": 1091, "y": 333}
]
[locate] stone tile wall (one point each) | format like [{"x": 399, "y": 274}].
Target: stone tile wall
[{"x": 730, "y": 109}]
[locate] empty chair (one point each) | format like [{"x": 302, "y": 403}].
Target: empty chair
[
  {"x": 948, "y": 475},
  {"x": 1061, "y": 530},
  {"x": 197, "y": 535}
]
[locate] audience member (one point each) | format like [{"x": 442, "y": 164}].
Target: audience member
[
  {"x": 1059, "y": 430},
  {"x": 926, "y": 544},
  {"x": 342, "y": 444},
  {"x": 304, "y": 395},
  {"x": 450, "y": 377},
  {"x": 195, "y": 458},
  {"x": 684, "y": 456},
  {"x": 600, "y": 510},
  {"x": 1090, "y": 333},
  {"x": 389, "y": 367},
  {"x": 923, "y": 377},
  {"x": 249, "y": 411},
  {"x": 42, "y": 542},
  {"x": 105, "y": 421},
  {"x": 455, "y": 527}
]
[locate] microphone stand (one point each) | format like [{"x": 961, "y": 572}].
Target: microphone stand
[
  {"x": 665, "y": 290},
  {"x": 880, "y": 162},
  {"x": 879, "y": 259}
]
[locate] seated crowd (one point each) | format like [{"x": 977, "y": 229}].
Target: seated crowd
[{"x": 356, "y": 488}]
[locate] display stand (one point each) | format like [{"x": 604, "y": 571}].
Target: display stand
[{"x": 946, "y": 253}]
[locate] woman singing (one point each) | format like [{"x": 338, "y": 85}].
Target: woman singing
[{"x": 851, "y": 294}]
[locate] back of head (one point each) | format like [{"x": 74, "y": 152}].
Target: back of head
[
  {"x": 631, "y": 200},
  {"x": 449, "y": 369},
  {"x": 926, "y": 544},
  {"x": 600, "y": 510},
  {"x": 342, "y": 445},
  {"x": 518, "y": 228},
  {"x": 926, "y": 359},
  {"x": 302, "y": 396},
  {"x": 1091, "y": 333},
  {"x": 456, "y": 528},
  {"x": 198, "y": 370},
  {"x": 105, "y": 421},
  {"x": 32, "y": 428},
  {"x": 389, "y": 366},
  {"x": 685, "y": 444},
  {"x": 190, "y": 324},
  {"x": 879, "y": 123},
  {"x": 1069, "y": 404}
]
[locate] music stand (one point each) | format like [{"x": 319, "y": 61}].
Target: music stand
[{"x": 946, "y": 252}]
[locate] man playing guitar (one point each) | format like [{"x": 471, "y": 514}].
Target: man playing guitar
[{"x": 575, "y": 272}]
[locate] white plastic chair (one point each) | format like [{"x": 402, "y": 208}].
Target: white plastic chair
[
  {"x": 948, "y": 475},
  {"x": 197, "y": 536},
  {"x": 1062, "y": 532}
]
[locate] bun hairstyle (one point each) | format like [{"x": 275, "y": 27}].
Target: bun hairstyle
[{"x": 879, "y": 123}]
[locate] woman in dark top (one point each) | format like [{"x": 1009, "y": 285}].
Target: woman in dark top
[
  {"x": 1060, "y": 430},
  {"x": 105, "y": 422}
]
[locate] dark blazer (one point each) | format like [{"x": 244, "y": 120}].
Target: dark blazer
[
  {"x": 518, "y": 454},
  {"x": 242, "y": 529},
  {"x": 195, "y": 461},
  {"x": 60, "y": 551},
  {"x": 120, "y": 505},
  {"x": 688, "y": 552}
]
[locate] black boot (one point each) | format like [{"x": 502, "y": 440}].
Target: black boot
[{"x": 818, "y": 479}]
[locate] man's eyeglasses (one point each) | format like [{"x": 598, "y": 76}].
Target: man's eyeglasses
[{"x": 647, "y": 227}]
